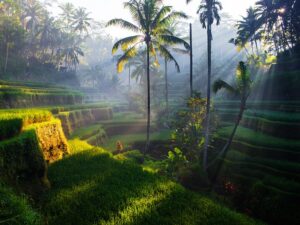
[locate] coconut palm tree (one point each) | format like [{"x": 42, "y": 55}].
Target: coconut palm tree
[
  {"x": 81, "y": 20},
  {"x": 209, "y": 13},
  {"x": 66, "y": 15},
  {"x": 248, "y": 28},
  {"x": 241, "y": 88},
  {"x": 70, "y": 56},
  {"x": 152, "y": 19},
  {"x": 32, "y": 13}
]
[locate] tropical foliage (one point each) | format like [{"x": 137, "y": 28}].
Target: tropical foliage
[
  {"x": 208, "y": 14},
  {"x": 273, "y": 25},
  {"x": 31, "y": 36},
  {"x": 152, "y": 20}
]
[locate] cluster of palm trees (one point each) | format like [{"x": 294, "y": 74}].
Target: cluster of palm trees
[
  {"x": 271, "y": 23},
  {"x": 44, "y": 38},
  {"x": 153, "y": 28},
  {"x": 152, "y": 23}
]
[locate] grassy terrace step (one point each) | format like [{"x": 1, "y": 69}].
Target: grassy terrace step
[
  {"x": 279, "y": 124},
  {"x": 15, "y": 209},
  {"x": 18, "y": 95},
  {"x": 280, "y": 106},
  {"x": 260, "y": 139},
  {"x": 94, "y": 134},
  {"x": 89, "y": 188},
  {"x": 276, "y": 116},
  {"x": 12, "y": 122},
  {"x": 22, "y": 159},
  {"x": 261, "y": 170},
  {"x": 129, "y": 139},
  {"x": 290, "y": 130},
  {"x": 281, "y": 166},
  {"x": 281, "y": 184},
  {"x": 71, "y": 120}
]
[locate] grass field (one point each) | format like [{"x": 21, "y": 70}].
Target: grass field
[
  {"x": 260, "y": 139},
  {"x": 128, "y": 139},
  {"x": 92, "y": 187}
]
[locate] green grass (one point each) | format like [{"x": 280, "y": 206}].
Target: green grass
[
  {"x": 15, "y": 209},
  {"x": 91, "y": 187},
  {"x": 87, "y": 132},
  {"x": 124, "y": 118},
  {"x": 280, "y": 165},
  {"x": 128, "y": 139},
  {"x": 259, "y": 139},
  {"x": 269, "y": 115}
]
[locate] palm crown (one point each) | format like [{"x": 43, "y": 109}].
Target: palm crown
[
  {"x": 152, "y": 21},
  {"x": 243, "y": 82}
]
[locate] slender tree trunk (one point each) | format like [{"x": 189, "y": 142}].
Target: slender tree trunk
[
  {"x": 225, "y": 149},
  {"x": 148, "y": 99},
  {"x": 6, "y": 57},
  {"x": 256, "y": 46},
  {"x": 191, "y": 60},
  {"x": 167, "y": 88},
  {"x": 206, "y": 143},
  {"x": 129, "y": 78}
]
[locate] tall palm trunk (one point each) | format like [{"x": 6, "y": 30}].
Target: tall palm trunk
[
  {"x": 6, "y": 57},
  {"x": 225, "y": 149},
  {"x": 206, "y": 143},
  {"x": 167, "y": 88},
  {"x": 148, "y": 99},
  {"x": 256, "y": 46},
  {"x": 191, "y": 60},
  {"x": 129, "y": 78}
]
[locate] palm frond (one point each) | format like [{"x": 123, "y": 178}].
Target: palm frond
[
  {"x": 173, "y": 40},
  {"x": 160, "y": 15},
  {"x": 124, "y": 24},
  {"x": 168, "y": 56},
  {"x": 220, "y": 84},
  {"x": 172, "y": 17},
  {"x": 125, "y": 43},
  {"x": 130, "y": 53}
]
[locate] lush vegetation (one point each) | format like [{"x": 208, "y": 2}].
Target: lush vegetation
[
  {"x": 217, "y": 143},
  {"x": 103, "y": 196}
]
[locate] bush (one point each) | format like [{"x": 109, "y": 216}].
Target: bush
[{"x": 15, "y": 210}]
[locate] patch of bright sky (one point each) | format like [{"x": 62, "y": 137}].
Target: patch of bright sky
[{"x": 104, "y": 10}]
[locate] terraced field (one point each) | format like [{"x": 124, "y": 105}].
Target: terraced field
[
  {"x": 21, "y": 94},
  {"x": 263, "y": 161}
]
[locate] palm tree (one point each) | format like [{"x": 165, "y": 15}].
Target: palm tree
[
  {"x": 32, "y": 15},
  {"x": 248, "y": 28},
  {"x": 81, "y": 20},
  {"x": 209, "y": 12},
  {"x": 242, "y": 89},
  {"x": 70, "y": 56},
  {"x": 67, "y": 15},
  {"x": 48, "y": 33},
  {"x": 152, "y": 20}
]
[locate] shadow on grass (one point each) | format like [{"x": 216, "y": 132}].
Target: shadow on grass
[{"x": 93, "y": 188}]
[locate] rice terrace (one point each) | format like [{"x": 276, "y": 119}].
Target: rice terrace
[{"x": 149, "y": 112}]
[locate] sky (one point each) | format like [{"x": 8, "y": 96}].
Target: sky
[{"x": 104, "y": 10}]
